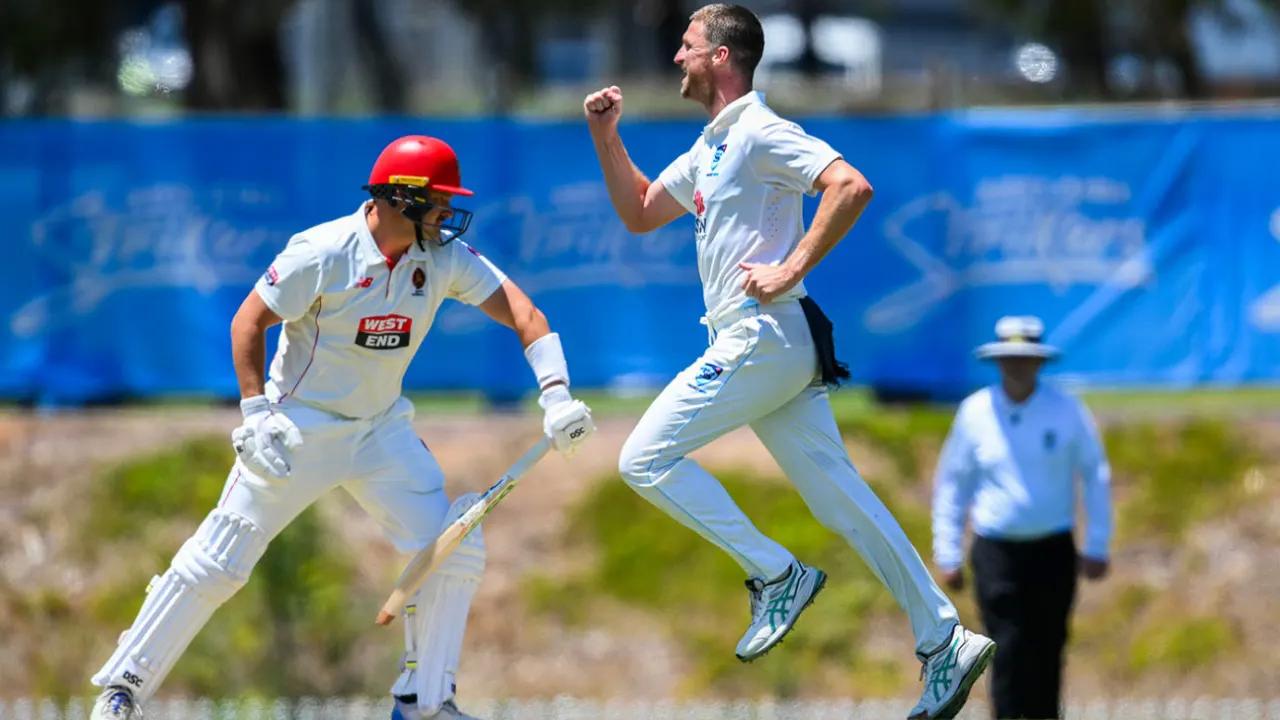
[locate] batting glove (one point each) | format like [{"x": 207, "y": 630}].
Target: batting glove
[
  {"x": 566, "y": 421},
  {"x": 265, "y": 438}
]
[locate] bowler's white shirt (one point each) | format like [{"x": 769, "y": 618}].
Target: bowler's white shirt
[
  {"x": 1013, "y": 469},
  {"x": 353, "y": 322},
  {"x": 743, "y": 180}
]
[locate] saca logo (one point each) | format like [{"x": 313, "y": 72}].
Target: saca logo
[{"x": 384, "y": 332}]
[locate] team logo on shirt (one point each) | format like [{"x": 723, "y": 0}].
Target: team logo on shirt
[
  {"x": 700, "y": 221},
  {"x": 1050, "y": 439},
  {"x": 714, "y": 170},
  {"x": 384, "y": 332},
  {"x": 271, "y": 276},
  {"x": 419, "y": 279}
]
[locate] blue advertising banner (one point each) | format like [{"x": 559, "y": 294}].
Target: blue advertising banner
[{"x": 1149, "y": 244}]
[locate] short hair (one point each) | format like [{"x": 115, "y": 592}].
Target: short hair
[{"x": 736, "y": 28}]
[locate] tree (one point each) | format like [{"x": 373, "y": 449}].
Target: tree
[
  {"x": 235, "y": 54},
  {"x": 1082, "y": 31},
  {"x": 510, "y": 28},
  {"x": 48, "y": 43}
]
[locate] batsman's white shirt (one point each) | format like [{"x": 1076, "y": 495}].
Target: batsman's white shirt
[
  {"x": 744, "y": 180},
  {"x": 1014, "y": 469},
  {"x": 352, "y": 322}
]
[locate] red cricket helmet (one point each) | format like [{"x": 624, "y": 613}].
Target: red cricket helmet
[{"x": 419, "y": 161}]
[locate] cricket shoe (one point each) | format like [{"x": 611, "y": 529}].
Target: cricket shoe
[
  {"x": 407, "y": 709},
  {"x": 115, "y": 703},
  {"x": 950, "y": 672},
  {"x": 776, "y": 605}
]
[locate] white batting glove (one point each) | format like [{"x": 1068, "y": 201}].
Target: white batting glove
[
  {"x": 265, "y": 438},
  {"x": 566, "y": 421}
]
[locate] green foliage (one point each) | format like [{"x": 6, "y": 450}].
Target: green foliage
[
  {"x": 1182, "y": 645},
  {"x": 1175, "y": 475},
  {"x": 910, "y": 436}
]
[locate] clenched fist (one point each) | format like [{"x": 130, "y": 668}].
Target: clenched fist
[
  {"x": 264, "y": 441},
  {"x": 603, "y": 108}
]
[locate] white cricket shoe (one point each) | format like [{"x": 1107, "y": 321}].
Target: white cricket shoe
[
  {"x": 775, "y": 607},
  {"x": 950, "y": 672},
  {"x": 408, "y": 710},
  {"x": 115, "y": 703}
]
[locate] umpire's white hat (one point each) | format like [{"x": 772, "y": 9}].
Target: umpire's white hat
[{"x": 1017, "y": 336}]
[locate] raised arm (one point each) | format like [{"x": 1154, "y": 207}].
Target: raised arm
[{"x": 641, "y": 204}]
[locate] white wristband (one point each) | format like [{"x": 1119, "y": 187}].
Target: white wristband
[
  {"x": 253, "y": 405},
  {"x": 546, "y": 357}
]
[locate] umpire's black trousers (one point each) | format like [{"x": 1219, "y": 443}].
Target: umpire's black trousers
[{"x": 1025, "y": 590}]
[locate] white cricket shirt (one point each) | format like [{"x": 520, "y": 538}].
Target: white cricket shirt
[
  {"x": 1013, "y": 469},
  {"x": 353, "y": 322},
  {"x": 743, "y": 180}
]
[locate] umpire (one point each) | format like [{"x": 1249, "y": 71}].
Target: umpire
[{"x": 1011, "y": 464}]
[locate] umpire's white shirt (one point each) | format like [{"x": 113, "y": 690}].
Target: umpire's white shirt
[
  {"x": 1013, "y": 468},
  {"x": 743, "y": 180},
  {"x": 353, "y": 322}
]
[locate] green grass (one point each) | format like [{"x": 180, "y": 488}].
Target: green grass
[
  {"x": 1176, "y": 474},
  {"x": 1201, "y": 402},
  {"x": 1183, "y": 644}
]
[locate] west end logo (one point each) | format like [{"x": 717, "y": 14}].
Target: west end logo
[{"x": 384, "y": 332}]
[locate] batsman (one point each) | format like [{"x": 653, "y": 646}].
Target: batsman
[
  {"x": 770, "y": 355},
  {"x": 356, "y": 296}
]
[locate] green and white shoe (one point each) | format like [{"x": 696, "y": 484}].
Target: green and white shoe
[
  {"x": 776, "y": 605},
  {"x": 950, "y": 672}
]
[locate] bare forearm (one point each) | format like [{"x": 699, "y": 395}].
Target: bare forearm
[
  {"x": 839, "y": 209},
  {"x": 248, "y": 355},
  {"x": 625, "y": 182}
]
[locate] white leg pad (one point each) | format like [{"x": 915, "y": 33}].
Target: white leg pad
[
  {"x": 435, "y": 619},
  {"x": 209, "y": 568}
]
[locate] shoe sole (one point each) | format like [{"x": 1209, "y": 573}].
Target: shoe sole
[
  {"x": 951, "y": 709},
  {"x": 817, "y": 588}
]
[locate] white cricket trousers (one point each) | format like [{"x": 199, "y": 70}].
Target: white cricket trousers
[
  {"x": 760, "y": 370},
  {"x": 383, "y": 464}
]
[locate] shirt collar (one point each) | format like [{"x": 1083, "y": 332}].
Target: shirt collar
[{"x": 729, "y": 113}]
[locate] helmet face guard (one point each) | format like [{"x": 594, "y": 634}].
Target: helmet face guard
[{"x": 414, "y": 203}]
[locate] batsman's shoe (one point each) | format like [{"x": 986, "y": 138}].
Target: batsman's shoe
[
  {"x": 407, "y": 709},
  {"x": 949, "y": 673},
  {"x": 775, "y": 607},
  {"x": 115, "y": 703}
]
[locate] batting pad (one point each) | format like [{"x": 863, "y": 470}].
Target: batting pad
[
  {"x": 435, "y": 619},
  {"x": 209, "y": 568}
]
